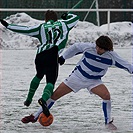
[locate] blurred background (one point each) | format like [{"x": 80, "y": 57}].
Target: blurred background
[{"x": 86, "y": 4}]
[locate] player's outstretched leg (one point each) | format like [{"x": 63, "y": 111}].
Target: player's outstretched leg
[
  {"x": 44, "y": 107},
  {"x": 34, "y": 117}
]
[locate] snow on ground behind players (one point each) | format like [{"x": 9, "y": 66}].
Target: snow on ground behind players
[{"x": 121, "y": 33}]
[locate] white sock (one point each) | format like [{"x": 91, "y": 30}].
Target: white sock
[
  {"x": 49, "y": 102},
  {"x": 107, "y": 110},
  {"x": 36, "y": 115}
]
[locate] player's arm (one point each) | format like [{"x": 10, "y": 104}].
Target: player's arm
[
  {"x": 77, "y": 48},
  {"x": 70, "y": 19},
  {"x": 73, "y": 50},
  {"x": 30, "y": 31},
  {"x": 121, "y": 63},
  {"x": 70, "y": 52}
]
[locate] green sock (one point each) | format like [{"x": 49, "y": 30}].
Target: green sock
[
  {"x": 48, "y": 91},
  {"x": 33, "y": 87}
]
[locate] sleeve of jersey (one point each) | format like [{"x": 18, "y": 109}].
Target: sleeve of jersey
[
  {"x": 75, "y": 49},
  {"x": 120, "y": 63},
  {"x": 72, "y": 20},
  {"x": 30, "y": 31}
]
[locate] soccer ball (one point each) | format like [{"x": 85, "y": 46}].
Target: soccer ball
[{"x": 45, "y": 121}]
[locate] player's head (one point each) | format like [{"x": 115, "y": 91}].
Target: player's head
[
  {"x": 50, "y": 15},
  {"x": 104, "y": 42}
]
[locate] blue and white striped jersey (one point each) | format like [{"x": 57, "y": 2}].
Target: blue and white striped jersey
[{"x": 93, "y": 65}]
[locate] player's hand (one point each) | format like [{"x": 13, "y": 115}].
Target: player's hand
[
  {"x": 64, "y": 16},
  {"x": 4, "y": 23},
  {"x": 61, "y": 60}
]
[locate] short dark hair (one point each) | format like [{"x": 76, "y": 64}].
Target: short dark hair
[
  {"x": 105, "y": 43},
  {"x": 50, "y": 15}
]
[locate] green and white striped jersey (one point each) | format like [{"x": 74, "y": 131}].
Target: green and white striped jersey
[{"x": 50, "y": 33}]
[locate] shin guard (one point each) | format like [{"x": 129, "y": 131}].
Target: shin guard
[
  {"x": 48, "y": 91},
  {"x": 33, "y": 87}
]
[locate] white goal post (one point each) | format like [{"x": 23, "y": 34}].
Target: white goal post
[{"x": 73, "y": 10}]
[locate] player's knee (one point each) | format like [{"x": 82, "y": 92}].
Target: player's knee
[
  {"x": 106, "y": 96},
  {"x": 39, "y": 76}
]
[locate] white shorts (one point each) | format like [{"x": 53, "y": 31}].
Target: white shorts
[{"x": 76, "y": 83}]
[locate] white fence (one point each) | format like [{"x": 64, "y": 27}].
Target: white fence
[{"x": 74, "y": 10}]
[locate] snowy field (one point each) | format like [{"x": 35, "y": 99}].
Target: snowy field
[{"x": 74, "y": 113}]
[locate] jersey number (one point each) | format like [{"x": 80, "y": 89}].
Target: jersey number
[{"x": 53, "y": 39}]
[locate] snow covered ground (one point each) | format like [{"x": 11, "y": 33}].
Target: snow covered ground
[
  {"x": 74, "y": 113},
  {"x": 120, "y": 32}
]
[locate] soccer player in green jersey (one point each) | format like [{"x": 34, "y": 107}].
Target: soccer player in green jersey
[{"x": 53, "y": 36}]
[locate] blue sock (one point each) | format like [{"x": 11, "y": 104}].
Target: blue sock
[
  {"x": 50, "y": 102},
  {"x": 106, "y": 105}
]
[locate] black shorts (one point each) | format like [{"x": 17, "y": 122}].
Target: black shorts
[{"x": 47, "y": 64}]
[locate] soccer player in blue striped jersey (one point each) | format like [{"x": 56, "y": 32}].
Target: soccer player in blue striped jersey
[
  {"x": 93, "y": 65},
  {"x": 53, "y": 36}
]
